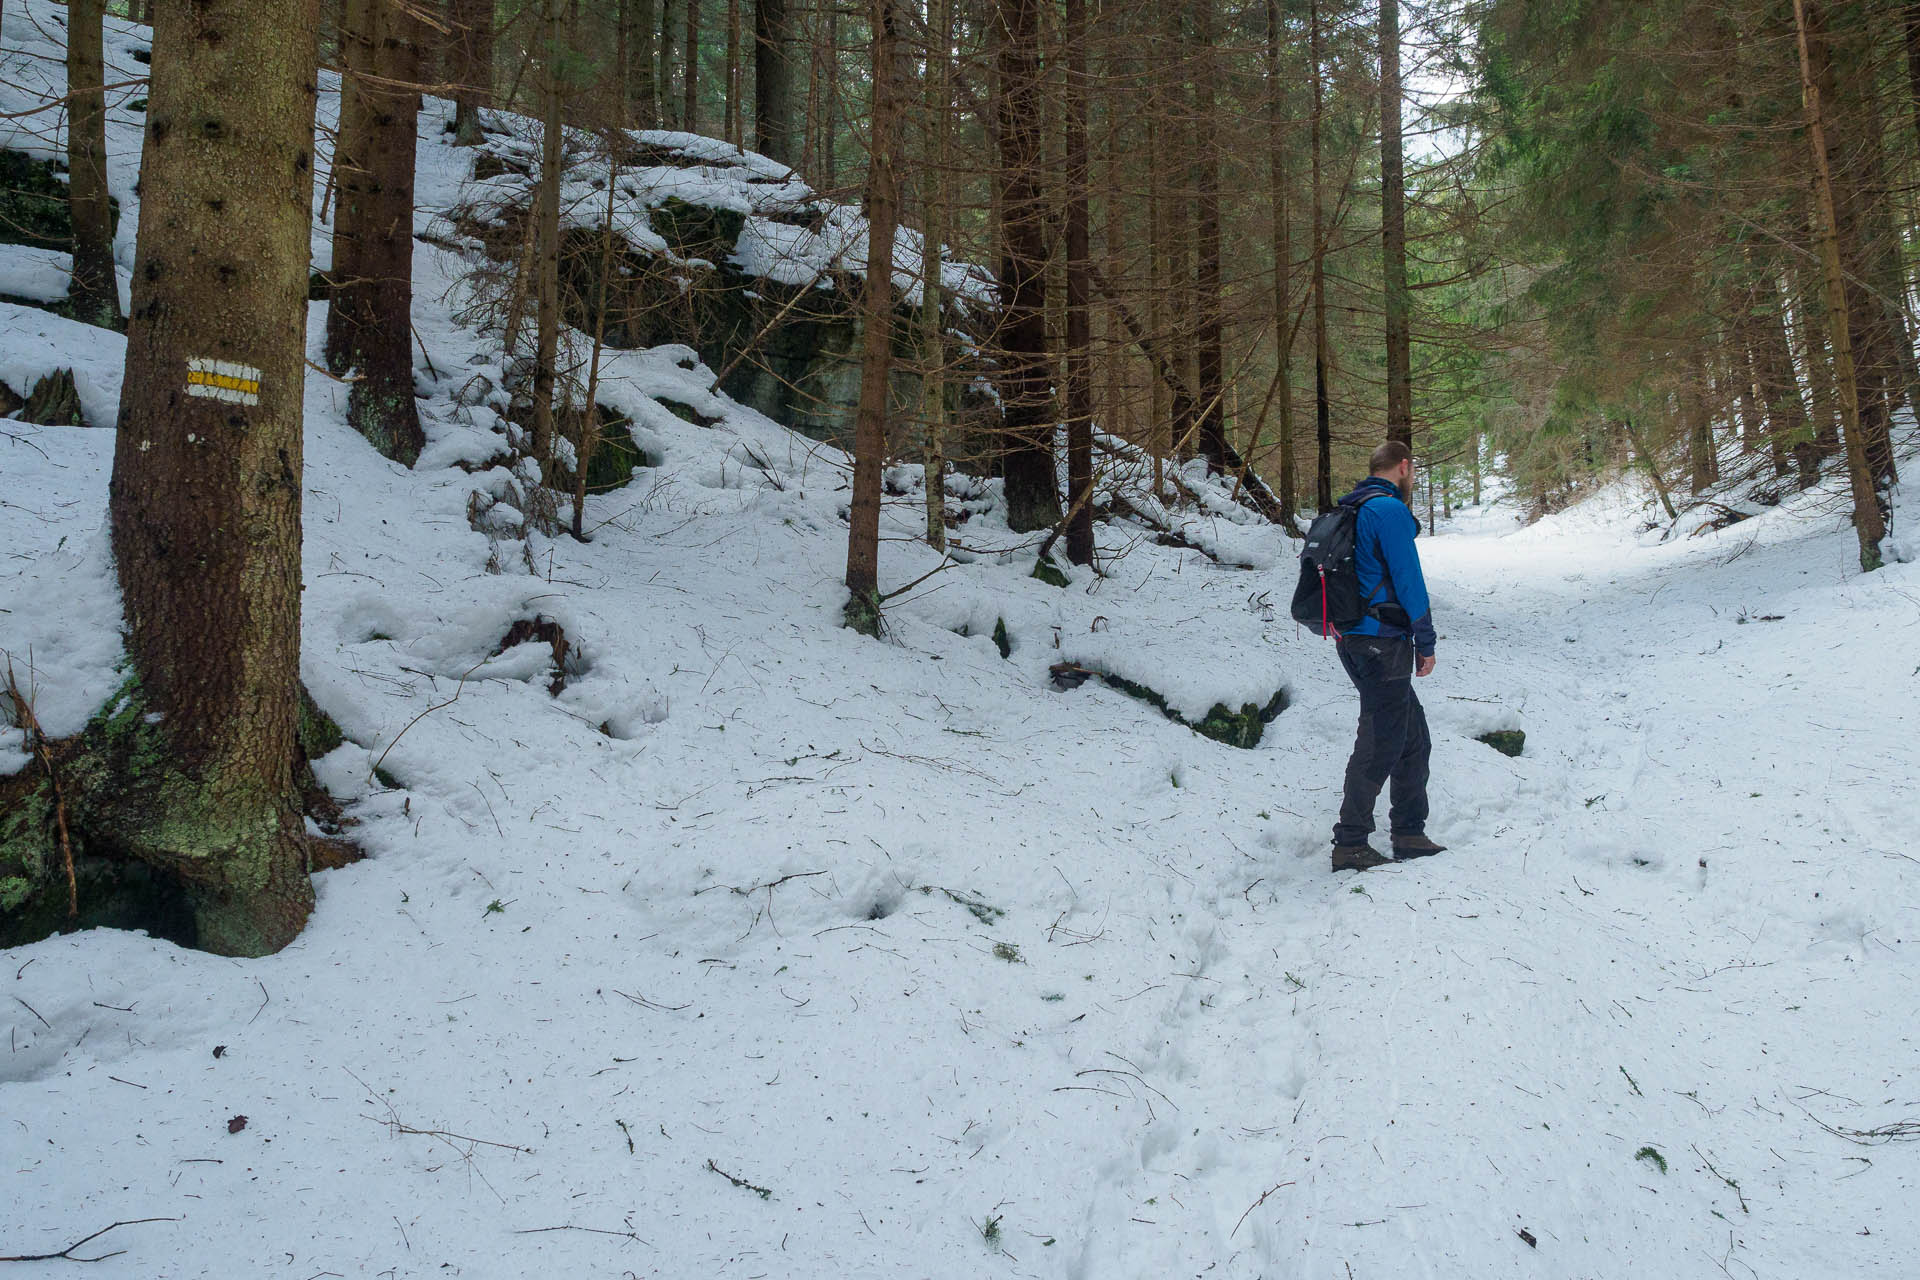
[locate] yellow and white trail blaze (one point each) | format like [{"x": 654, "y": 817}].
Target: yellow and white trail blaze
[{"x": 223, "y": 380}]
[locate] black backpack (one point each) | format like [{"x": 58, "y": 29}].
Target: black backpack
[{"x": 1327, "y": 602}]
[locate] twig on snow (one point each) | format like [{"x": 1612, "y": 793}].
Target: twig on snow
[
  {"x": 763, "y": 1192},
  {"x": 67, "y": 1252},
  {"x": 458, "y": 690},
  {"x": 597, "y": 1231},
  {"x": 645, "y": 1003},
  {"x": 1255, "y": 1205}
]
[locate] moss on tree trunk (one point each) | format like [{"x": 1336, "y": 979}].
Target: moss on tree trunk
[
  {"x": 191, "y": 768},
  {"x": 149, "y": 845}
]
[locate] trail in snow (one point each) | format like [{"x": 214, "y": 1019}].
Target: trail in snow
[
  {"x": 918, "y": 944},
  {"x": 1664, "y": 930}
]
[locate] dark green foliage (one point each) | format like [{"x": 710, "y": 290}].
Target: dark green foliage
[
  {"x": 33, "y": 203},
  {"x": 862, "y": 614},
  {"x": 616, "y": 455},
  {"x": 1048, "y": 572},
  {"x": 316, "y": 732},
  {"x": 1001, "y": 640},
  {"x": 34, "y": 211},
  {"x": 54, "y": 401},
  {"x": 685, "y": 412},
  {"x": 697, "y": 230},
  {"x": 1243, "y": 728},
  {"x": 1508, "y": 742}
]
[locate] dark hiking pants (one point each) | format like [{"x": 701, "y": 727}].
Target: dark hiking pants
[{"x": 1392, "y": 742}]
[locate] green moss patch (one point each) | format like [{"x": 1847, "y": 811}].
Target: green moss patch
[
  {"x": 33, "y": 203},
  {"x": 1243, "y": 728},
  {"x": 1508, "y": 742},
  {"x": 1048, "y": 572}
]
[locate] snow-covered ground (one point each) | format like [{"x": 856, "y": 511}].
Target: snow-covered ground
[{"x": 765, "y": 950}]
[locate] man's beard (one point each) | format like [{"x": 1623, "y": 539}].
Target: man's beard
[{"x": 1405, "y": 490}]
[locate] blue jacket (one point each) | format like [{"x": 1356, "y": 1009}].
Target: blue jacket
[{"x": 1384, "y": 534}]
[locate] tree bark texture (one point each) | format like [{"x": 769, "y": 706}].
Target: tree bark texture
[
  {"x": 1322, "y": 404},
  {"x": 936, "y": 153},
  {"x": 471, "y": 50},
  {"x": 1815, "y": 78},
  {"x": 1210, "y": 340},
  {"x": 668, "y": 53},
  {"x": 1079, "y": 318},
  {"x": 1393, "y": 233},
  {"x": 775, "y": 110},
  {"x": 1033, "y": 501},
  {"x": 1283, "y": 326},
  {"x": 369, "y": 326},
  {"x": 546, "y": 232},
  {"x": 640, "y": 24},
  {"x": 735, "y": 81},
  {"x": 690, "y": 70},
  {"x": 876, "y": 350},
  {"x": 1787, "y": 429},
  {"x": 1870, "y": 250},
  {"x": 93, "y": 294},
  {"x": 204, "y": 504}
]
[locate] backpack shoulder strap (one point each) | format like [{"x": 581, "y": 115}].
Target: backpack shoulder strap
[{"x": 1386, "y": 575}]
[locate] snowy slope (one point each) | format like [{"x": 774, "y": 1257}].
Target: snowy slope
[{"x": 971, "y": 976}]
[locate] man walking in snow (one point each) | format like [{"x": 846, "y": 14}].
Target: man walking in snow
[{"x": 1393, "y": 643}]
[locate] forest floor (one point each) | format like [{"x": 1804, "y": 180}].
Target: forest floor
[
  {"x": 974, "y": 976},
  {"x": 765, "y": 950}
]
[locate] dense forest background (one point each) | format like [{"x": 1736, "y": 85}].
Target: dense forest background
[{"x": 1568, "y": 237}]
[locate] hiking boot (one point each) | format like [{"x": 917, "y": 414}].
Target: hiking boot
[
  {"x": 1405, "y": 847},
  {"x": 1357, "y": 857}
]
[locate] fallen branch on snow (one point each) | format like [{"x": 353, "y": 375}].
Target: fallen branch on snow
[{"x": 67, "y": 1252}]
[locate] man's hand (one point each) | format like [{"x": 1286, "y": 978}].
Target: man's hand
[{"x": 1424, "y": 666}]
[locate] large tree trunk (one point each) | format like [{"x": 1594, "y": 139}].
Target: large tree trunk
[
  {"x": 1079, "y": 319},
  {"x": 690, "y": 70},
  {"x": 1910, "y": 22},
  {"x": 736, "y": 133},
  {"x": 1283, "y": 326},
  {"x": 775, "y": 114},
  {"x": 1647, "y": 459},
  {"x": 876, "y": 348},
  {"x": 1787, "y": 431},
  {"x": 546, "y": 233},
  {"x": 1701, "y": 456},
  {"x": 93, "y": 294},
  {"x": 1811, "y": 317},
  {"x": 1870, "y": 249},
  {"x": 639, "y": 23},
  {"x": 369, "y": 326},
  {"x": 1869, "y": 519},
  {"x": 1183, "y": 347},
  {"x": 668, "y": 52},
  {"x": 204, "y": 505},
  {"x": 1749, "y": 400},
  {"x": 1033, "y": 502},
  {"x": 1210, "y": 345},
  {"x": 1393, "y": 233},
  {"x": 472, "y": 70},
  {"x": 1160, "y": 431},
  {"x": 935, "y": 154},
  {"x": 1322, "y": 404}
]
